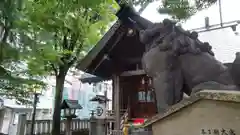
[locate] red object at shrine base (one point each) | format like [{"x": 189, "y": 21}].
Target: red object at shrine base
[{"x": 138, "y": 121}]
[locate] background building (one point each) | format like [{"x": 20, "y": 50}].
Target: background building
[{"x": 76, "y": 90}]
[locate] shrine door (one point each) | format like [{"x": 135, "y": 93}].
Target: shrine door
[{"x": 145, "y": 105}]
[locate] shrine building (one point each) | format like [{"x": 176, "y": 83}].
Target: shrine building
[{"x": 117, "y": 57}]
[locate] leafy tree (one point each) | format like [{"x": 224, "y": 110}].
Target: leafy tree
[
  {"x": 14, "y": 80},
  {"x": 61, "y": 33},
  {"x": 180, "y": 10}
]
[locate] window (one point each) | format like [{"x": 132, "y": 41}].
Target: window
[
  {"x": 94, "y": 88},
  {"x": 100, "y": 87},
  {"x": 105, "y": 86}
]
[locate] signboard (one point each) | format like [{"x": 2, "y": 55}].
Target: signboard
[
  {"x": 101, "y": 111},
  {"x": 216, "y": 131}
]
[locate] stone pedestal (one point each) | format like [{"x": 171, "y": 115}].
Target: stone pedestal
[
  {"x": 68, "y": 126},
  {"x": 97, "y": 127},
  {"x": 206, "y": 113},
  {"x": 101, "y": 129},
  {"x": 93, "y": 125}
]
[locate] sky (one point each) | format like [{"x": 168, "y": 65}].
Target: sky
[{"x": 224, "y": 42}]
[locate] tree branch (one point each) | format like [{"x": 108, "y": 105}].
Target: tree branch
[
  {"x": 65, "y": 42},
  {"x": 54, "y": 68},
  {"x": 78, "y": 50},
  {"x": 72, "y": 61},
  {"x": 73, "y": 41},
  {"x": 55, "y": 38}
]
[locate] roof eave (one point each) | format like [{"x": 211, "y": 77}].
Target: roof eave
[{"x": 85, "y": 63}]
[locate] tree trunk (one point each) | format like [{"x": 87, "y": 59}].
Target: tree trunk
[
  {"x": 57, "y": 103},
  {"x": 2, "y": 43}
]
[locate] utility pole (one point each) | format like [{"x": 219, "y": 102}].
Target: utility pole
[{"x": 220, "y": 12}]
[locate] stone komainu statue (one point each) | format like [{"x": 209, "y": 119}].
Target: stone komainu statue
[{"x": 180, "y": 63}]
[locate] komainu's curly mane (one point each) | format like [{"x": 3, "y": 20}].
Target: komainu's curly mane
[{"x": 179, "y": 41}]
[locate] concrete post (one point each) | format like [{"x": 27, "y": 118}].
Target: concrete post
[
  {"x": 93, "y": 126},
  {"x": 101, "y": 127},
  {"x": 22, "y": 119},
  {"x": 97, "y": 126},
  {"x": 68, "y": 126}
]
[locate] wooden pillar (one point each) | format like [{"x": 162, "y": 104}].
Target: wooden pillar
[{"x": 116, "y": 95}]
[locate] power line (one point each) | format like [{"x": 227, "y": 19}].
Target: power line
[{"x": 231, "y": 24}]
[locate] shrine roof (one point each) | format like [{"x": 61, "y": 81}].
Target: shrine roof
[
  {"x": 113, "y": 54},
  {"x": 88, "y": 78},
  {"x": 218, "y": 95},
  {"x": 72, "y": 104},
  {"x": 98, "y": 47},
  {"x": 100, "y": 98}
]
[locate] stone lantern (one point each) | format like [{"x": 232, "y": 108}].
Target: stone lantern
[
  {"x": 102, "y": 106},
  {"x": 99, "y": 123},
  {"x": 69, "y": 108}
]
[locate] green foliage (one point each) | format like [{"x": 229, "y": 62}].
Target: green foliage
[
  {"x": 58, "y": 33},
  {"x": 14, "y": 83},
  {"x": 8, "y": 15},
  {"x": 47, "y": 37},
  {"x": 41, "y": 38},
  {"x": 182, "y": 10},
  {"x": 63, "y": 31}
]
